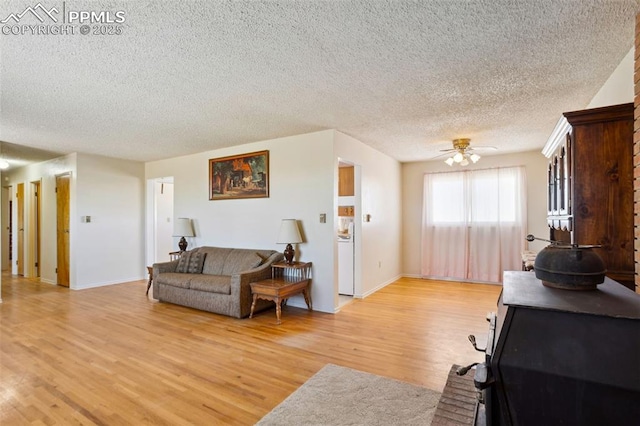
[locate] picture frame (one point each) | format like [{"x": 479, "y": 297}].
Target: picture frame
[{"x": 239, "y": 176}]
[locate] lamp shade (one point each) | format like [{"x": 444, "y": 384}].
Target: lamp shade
[
  {"x": 289, "y": 232},
  {"x": 182, "y": 227}
]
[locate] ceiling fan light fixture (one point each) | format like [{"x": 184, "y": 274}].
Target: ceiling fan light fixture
[{"x": 462, "y": 153}]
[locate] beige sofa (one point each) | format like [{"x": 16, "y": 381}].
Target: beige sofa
[{"x": 214, "y": 279}]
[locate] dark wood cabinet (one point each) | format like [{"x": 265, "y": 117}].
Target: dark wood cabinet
[{"x": 590, "y": 185}]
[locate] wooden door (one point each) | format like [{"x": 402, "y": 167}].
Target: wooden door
[
  {"x": 20, "y": 225},
  {"x": 62, "y": 214}
]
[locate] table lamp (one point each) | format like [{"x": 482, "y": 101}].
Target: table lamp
[
  {"x": 289, "y": 234},
  {"x": 182, "y": 228}
]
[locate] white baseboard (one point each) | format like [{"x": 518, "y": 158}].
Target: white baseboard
[
  {"x": 373, "y": 290},
  {"x": 411, "y": 276},
  {"x": 458, "y": 280},
  {"x": 106, "y": 283}
]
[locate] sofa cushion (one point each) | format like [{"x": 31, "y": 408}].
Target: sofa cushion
[
  {"x": 214, "y": 262},
  {"x": 240, "y": 260},
  {"x": 211, "y": 283},
  {"x": 191, "y": 262},
  {"x": 174, "y": 279}
]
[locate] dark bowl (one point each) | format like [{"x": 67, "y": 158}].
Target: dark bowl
[{"x": 569, "y": 267}]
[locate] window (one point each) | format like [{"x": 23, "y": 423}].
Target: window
[{"x": 473, "y": 223}]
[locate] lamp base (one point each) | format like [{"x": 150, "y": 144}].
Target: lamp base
[
  {"x": 183, "y": 244},
  {"x": 289, "y": 252}
]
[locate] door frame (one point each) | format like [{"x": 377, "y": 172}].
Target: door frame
[
  {"x": 152, "y": 213},
  {"x": 357, "y": 223},
  {"x": 7, "y": 223},
  {"x": 34, "y": 235}
]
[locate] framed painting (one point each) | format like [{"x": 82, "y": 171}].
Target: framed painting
[{"x": 239, "y": 176}]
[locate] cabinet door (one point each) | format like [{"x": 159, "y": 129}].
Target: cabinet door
[
  {"x": 559, "y": 181},
  {"x": 551, "y": 193},
  {"x": 564, "y": 178},
  {"x": 556, "y": 182}
]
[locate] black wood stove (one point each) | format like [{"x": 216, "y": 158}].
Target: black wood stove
[{"x": 560, "y": 357}]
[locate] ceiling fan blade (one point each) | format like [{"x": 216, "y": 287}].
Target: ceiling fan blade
[
  {"x": 439, "y": 156},
  {"x": 484, "y": 147}
]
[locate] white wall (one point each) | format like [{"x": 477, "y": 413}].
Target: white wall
[
  {"x": 4, "y": 224},
  {"x": 412, "y": 188},
  {"x": 109, "y": 249},
  {"x": 618, "y": 89},
  {"x": 303, "y": 184},
  {"x": 300, "y": 187},
  {"x": 380, "y": 195}
]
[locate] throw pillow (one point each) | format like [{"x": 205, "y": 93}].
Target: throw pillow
[
  {"x": 183, "y": 262},
  {"x": 257, "y": 261},
  {"x": 191, "y": 262},
  {"x": 196, "y": 262},
  {"x": 262, "y": 258}
]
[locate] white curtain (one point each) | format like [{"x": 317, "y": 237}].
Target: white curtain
[{"x": 474, "y": 223}]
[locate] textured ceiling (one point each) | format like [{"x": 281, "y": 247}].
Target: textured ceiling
[{"x": 404, "y": 77}]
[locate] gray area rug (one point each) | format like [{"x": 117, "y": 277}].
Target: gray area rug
[{"x": 343, "y": 396}]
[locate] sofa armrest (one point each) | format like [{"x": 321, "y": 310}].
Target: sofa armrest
[
  {"x": 261, "y": 272},
  {"x": 161, "y": 267},
  {"x": 240, "y": 282}
]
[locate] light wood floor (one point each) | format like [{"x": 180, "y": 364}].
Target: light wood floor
[{"x": 112, "y": 356}]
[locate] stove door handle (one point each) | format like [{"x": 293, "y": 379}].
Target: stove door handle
[
  {"x": 472, "y": 339},
  {"x": 461, "y": 371}
]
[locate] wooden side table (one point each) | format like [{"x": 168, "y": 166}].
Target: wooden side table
[
  {"x": 150, "y": 271},
  {"x": 287, "y": 279}
]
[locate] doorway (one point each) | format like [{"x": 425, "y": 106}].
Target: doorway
[
  {"x": 348, "y": 232},
  {"x": 33, "y": 269},
  {"x": 160, "y": 219},
  {"x": 62, "y": 228},
  {"x": 7, "y": 226}
]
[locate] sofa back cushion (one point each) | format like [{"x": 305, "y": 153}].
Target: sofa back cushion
[
  {"x": 216, "y": 256},
  {"x": 241, "y": 260},
  {"x": 228, "y": 261}
]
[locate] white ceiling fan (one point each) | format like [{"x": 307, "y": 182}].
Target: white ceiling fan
[{"x": 462, "y": 152}]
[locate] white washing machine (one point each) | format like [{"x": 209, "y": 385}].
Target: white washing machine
[{"x": 345, "y": 265}]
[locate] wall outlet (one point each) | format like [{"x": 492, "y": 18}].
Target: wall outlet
[{"x": 323, "y": 218}]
